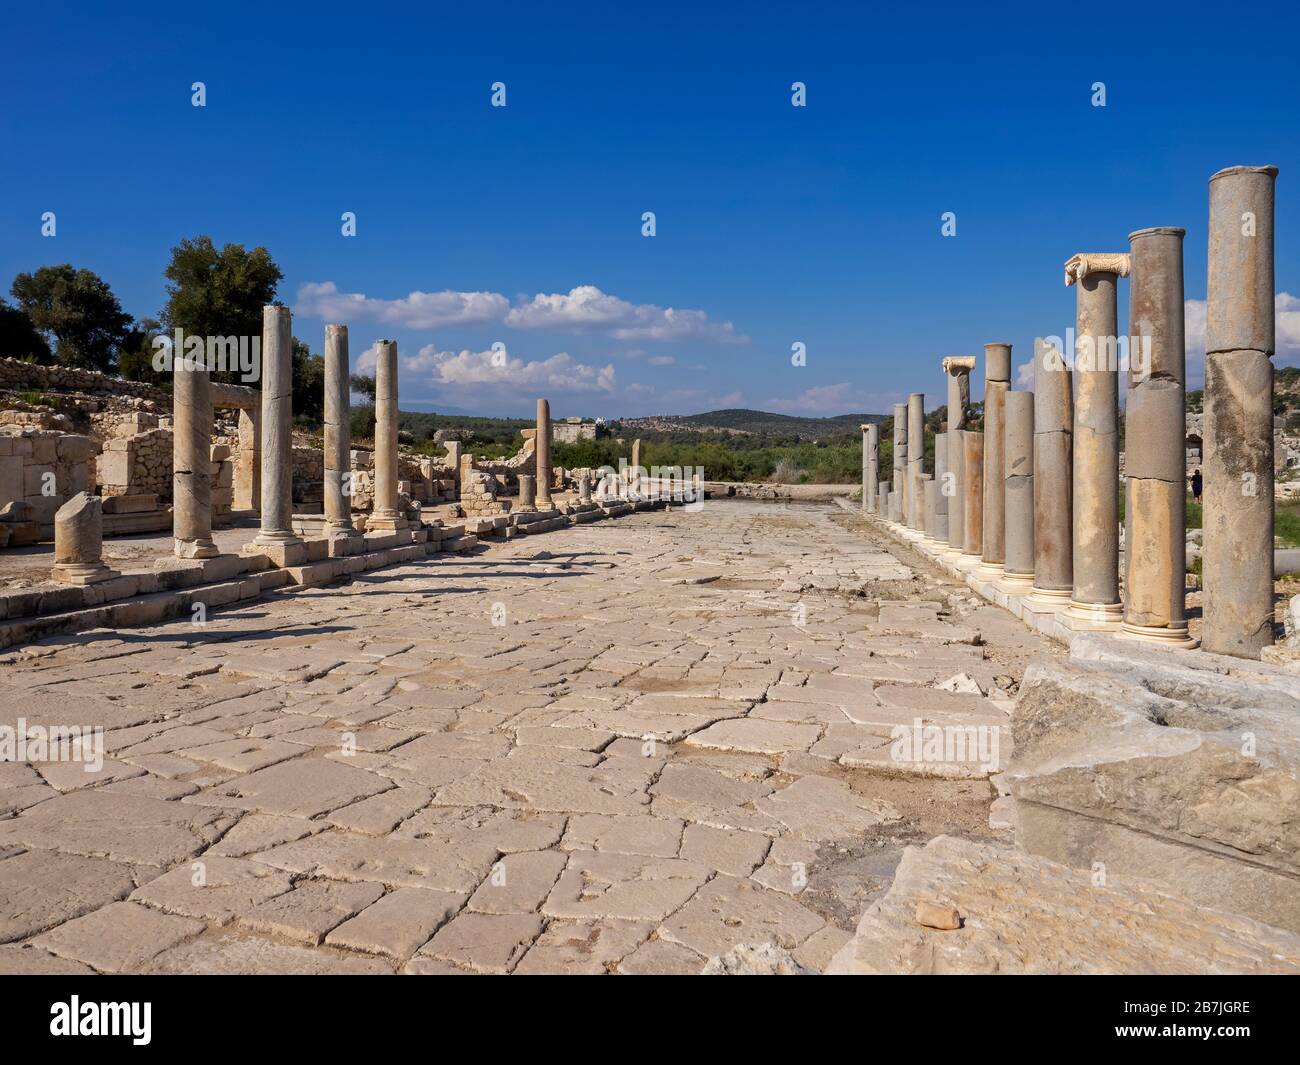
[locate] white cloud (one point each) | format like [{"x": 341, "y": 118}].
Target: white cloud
[
  {"x": 662, "y": 360},
  {"x": 497, "y": 370},
  {"x": 588, "y": 309},
  {"x": 418, "y": 310},
  {"x": 841, "y": 398}
]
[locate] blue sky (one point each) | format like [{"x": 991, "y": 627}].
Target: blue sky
[{"x": 522, "y": 225}]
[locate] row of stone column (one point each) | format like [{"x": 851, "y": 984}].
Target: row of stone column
[{"x": 1032, "y": 501}]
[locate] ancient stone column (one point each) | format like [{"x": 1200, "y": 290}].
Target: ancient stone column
[
  {"x": 338, "y": 435},
  {"x": 1237, "y": 605},
  {"x": 973, "y": 462},
  {"x": 192, "y": 458},
  {"x": 584, "y": 488},
  {"x": 385, "y": 516},
  {"x": 886, "y": 504},
  {"x": 939, "y": 533},
  {"x": 1095, "y": 602},
  {"x": 1155, "y": 512},
  {"x": 1053, "y": 477},
  {"x": 915, "y": 461},
  {"x": 958, "y": 369},
  {"x": 898, "y": 485},
  {"x": 930, "y": 491},
  {"x": 997, "y": 382},
  {"x": 870, "y": 465},
  {"x": 79, "y": 542},
  {"x": 528, "y": 492},
  {"x": 277, "y": 429},
  {"x": 543, "y": 452},
  {"x": 1018, "y": 491}
]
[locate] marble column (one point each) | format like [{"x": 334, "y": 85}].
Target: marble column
[
  {"x": 886, "y": 504},
  {"x": 898, "y": 485},
  {"x": 386, "y": 517},
  {"x": 338, "y": 435},
  {"x": 527, "y": 492},
  {"x": 1237, "y": 605},
  {"x": 79, "y": 542},
  {"x": 915, "y": 461},
  {"x": 939, "y": 533},
  {"x": 1053, "y": 477},
  {"x": 997, "y": 382},
  {"x": 277, "y": 430},
  {"x": 1018, "y": 492},
  {"x": 957, "y": 369},
  {"x": 973, "y": 497},
  {"x": 1095, "y": 601},
  {"x": 870, "y": 465},
  {"x": 584, "y": 488},
  {"x": 930, "y": 493},
  {"x": 543, "y": 452},
  {"x": 192, "y": 458},
  {"x": 1155, "y": 511}
]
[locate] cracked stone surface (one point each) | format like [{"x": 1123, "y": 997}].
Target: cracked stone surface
[{"x": 639, "y": 771}]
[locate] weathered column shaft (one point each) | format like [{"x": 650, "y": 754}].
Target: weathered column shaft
[
  {"x": 870, "y": 465},
  {"x": 973, "y": 447},
  {"x": 192, "y": 458},
  {"x": 1096, "y": 438},
  {"x": 1237, "y": 605},
  {"x": 1155, "y": 552},
  {"x": 79, "y": 542},
  {"x": 385, "y": 515},
  {"x": 542, "y": 444},
  {"x": 527, "y": 492},
  {"x": 997, "y": 382},
  {"x": 1018, "y": 487},
  {"x": 1053, "y": 475},
  {"x": 915, "y": 461},
  {"x": 898, "y": 484},
  {"x": 338, "y": 432},
  {"x": 957, "y": 369},
  {"x": 941, "y": 480},
  {"x": 277, "y": 427},
  {"x": 930, "y": 493}
]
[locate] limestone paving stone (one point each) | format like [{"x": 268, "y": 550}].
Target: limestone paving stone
[
  {"x": 518, "y": 883},
  {"x": 213, "y": 888},
  {"x": 39, "y": 890},
  {"x": 729, "y": 911},
  {"x": 492, "y": 943},
  {"x": 121, "y": 937},
  {"x": 311, "y": 909},
  {"x": 397, "y": 924},
  {"x": 582, "y": 947},
  {"x": 623, "y": 887},
  {"x": 306, "y": 787}
]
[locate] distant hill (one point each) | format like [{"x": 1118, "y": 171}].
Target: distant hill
[{"x": 739, "y": 421}]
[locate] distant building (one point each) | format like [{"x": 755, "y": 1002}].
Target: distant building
[{"x": 571, "y": 430}]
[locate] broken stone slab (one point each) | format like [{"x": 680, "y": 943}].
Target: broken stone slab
[
  {"x": 1027, "y": 914},
  {"x": 761, "y": 959},
  {"x": 1152, "y": 763}
]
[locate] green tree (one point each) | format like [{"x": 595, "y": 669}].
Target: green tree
[
  {"x": 213, "y": 293},
  {"x": 363, "y": 385},
  {"x": 135, "y": 360},
  {"x": 19, "y": 339},
  {"x": 77, "y": 309},
  {"x": 308, "y": 385}
]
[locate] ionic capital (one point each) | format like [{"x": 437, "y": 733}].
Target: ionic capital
[
  {"x": 1077, "y": 267},
  {"x": 956, "y": 365}
]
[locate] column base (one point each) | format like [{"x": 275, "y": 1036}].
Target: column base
[
  {"x": 968, "y": 563},
  {"x": 195, "y": 549},
  {"x": 82, "y": 573},
  {"x": 282, "y": 553},
  {"x": 1048, "y": 599},
  {"x": 989, "y": 571},
  {"x": 386, "y": 521},
  {"x": 1016, "y": 583},
  {"x": 1167, "y": 635},
  {"x": 1094, "y": 617},
  {"x": 344, "y": 541}
]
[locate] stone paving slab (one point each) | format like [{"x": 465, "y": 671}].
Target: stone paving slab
[{"x": 638, "y": 772}]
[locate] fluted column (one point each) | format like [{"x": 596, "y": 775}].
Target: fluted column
[
  {"x": 870, "y": 468},
  {"x": 385, "y": 517},
  {"x": 957, "y": 369},
  {"x": 915, "y": 461},
  {"x": 1155, "y": 512},
  {"x": 1018, "y": 492},
  {"x": 898, "y": 484},
  {"x": 1237, "y": 605},
  {"x": 338, "y": 435},
  {"x": 1095, "y": 600},
  {"x": 1053, "y": 477},
  {"x": 277, "y": 429},
  {"x": 997, "y": 382},
  {"x": 192, "y": 458},
  {"x": 542, "y": 442}
]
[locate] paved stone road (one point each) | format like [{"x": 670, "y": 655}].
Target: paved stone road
[{"x": 624, "y": 747}]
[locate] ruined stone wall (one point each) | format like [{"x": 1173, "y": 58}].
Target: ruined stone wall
[
  {"x": 140, "y": 464},
  {"x": 25, "y": 376},
  {"x": 43, "y": 468}
]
